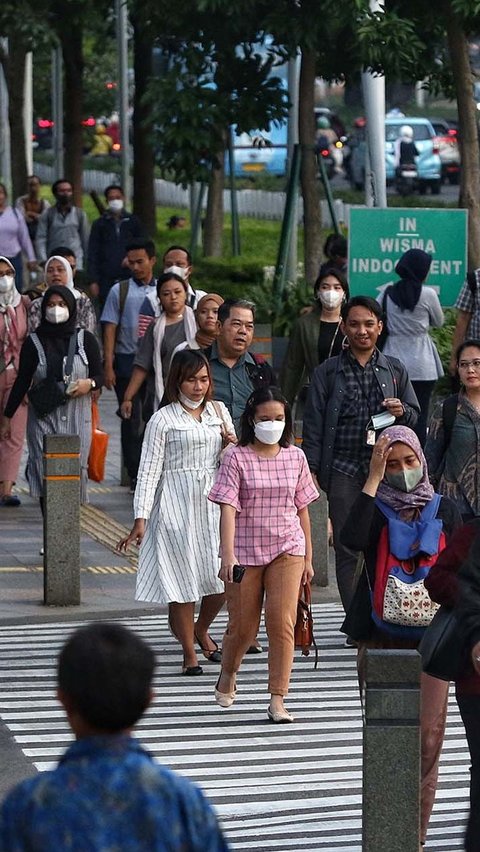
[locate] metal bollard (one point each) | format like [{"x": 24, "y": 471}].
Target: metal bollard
[
  {"x": 391, "y": 751},
  {"x": 61, "y": 520}
]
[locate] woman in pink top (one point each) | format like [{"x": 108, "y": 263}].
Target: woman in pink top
[{"x": 264, "y": 488}]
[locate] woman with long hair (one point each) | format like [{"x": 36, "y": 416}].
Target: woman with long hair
[
  {"x": 176, "y": 526},
  {"x": 316, "y": 334},
  {"x": 264, "y": 488},
  {"x": 175, "y": 325}
]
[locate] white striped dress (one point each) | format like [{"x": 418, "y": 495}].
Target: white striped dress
[
  {"x": 73, "y": 418},
  {"x": 179, "y": 559}
]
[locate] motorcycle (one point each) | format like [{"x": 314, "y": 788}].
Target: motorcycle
[{"x": 406, "y": 179}]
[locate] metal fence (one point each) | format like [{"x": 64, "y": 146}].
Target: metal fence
[{"x": 252, "y": 203}]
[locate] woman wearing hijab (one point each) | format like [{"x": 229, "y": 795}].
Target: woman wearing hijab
[
  {"x": 45, "y": 353},
  {"x": 206, "y": 314},
  {"x": 58, "y": 272},
  {"x": 410, "y": 310},
  {"x": 13, "y": 331},
  {"x": 397, "y": 515}
]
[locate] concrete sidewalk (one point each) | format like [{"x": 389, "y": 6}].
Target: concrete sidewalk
[{"x": 107, "y": 578}]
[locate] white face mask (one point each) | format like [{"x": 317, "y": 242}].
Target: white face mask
[
  {"x": 56, "y": 314},
  {"x": 115, "y": 205},
  {"x": 190, "y": 403},
  {"x": 177, "y": 270},
  {"x": 6, "y": 283},
  {"x": 269, "y": 431},
  {"x": 330, "y": 298}
]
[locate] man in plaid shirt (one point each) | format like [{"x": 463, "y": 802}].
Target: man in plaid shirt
[{"x": 345, "y": 393}]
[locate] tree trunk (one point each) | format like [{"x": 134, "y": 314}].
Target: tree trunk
[
  {"x": 308, "y": 169},
  {"x": 143, "y": 152},
  {"x": 213, "y": 228},
  {"x": 15, "y": 76},
  {"x": 468, "y": 133},
  {"x": 72, "y": 49}
]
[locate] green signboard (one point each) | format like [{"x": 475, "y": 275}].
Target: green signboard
[{"x": 378, "y": 238}]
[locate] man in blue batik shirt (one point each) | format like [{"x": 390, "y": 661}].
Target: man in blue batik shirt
[{"x": 107, "y": 792}]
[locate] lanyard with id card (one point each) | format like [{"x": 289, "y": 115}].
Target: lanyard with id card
[{"x": 376, "y": 422}]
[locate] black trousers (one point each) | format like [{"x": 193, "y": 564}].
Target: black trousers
[
  {"x": 342, "y": 493},
  {"x": 469, "y": 706},
  {"x": 131, "y": 430}
]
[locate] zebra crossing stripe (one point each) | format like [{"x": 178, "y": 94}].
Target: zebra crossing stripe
[{"x": 298, "y": 786}]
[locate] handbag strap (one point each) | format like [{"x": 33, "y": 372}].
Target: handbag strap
[
  {"x": 305, "y": 595},
  {"x": 72, "y": 348},
  {"x": 219, "y": 413}
]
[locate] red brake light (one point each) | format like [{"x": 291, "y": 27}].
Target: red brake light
[
  {"x": 452, "y": 132},
  {"x": 324, "y": 152},
  {"x": 45, "y": 122},
  {"x": 89, "y": 122}
]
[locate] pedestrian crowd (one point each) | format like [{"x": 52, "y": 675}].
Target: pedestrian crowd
[{"x": 222, "y": 491}]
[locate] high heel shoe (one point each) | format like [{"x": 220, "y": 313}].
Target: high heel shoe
[
  {"x": 224, "y": 699},
  {"x": 279, "y": 717},
  {"x": 214, "y": 656}
]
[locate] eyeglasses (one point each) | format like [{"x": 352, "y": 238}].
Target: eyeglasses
[{"x": 464, "y": 365}]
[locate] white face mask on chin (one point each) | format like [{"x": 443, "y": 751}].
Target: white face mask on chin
[
  {"x": 269, "y": 431},
  {"x": 56, "y": 314},
  {"x": 189, "y": 403}
]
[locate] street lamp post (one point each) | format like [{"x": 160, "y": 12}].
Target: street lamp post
[
  {"x": 57, "y": 112},
  {"x": 374, "y": 98}
]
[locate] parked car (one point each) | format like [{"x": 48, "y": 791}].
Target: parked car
[
  {"x": 448, "y": 149},
  {"x": 428, "y": 164}
]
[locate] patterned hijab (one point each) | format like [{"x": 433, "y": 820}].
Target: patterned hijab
[
  {"x": 423, "y": 492},
  {"x": 9, "y": 303}
]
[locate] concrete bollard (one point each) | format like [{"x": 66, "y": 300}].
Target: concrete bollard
[
  {"x": 61, "y": 520},
  {"x": 391, "y": 751}
]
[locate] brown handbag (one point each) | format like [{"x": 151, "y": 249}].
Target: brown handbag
[{"x": 303, "y": 634}]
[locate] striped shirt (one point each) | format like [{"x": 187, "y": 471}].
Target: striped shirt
[{"x": 267, "y": 494}]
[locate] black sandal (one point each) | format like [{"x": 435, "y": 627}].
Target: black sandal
[{"x": 214, "y": 656}]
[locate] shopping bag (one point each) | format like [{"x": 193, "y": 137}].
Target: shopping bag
[{"x": 98, "y": 448}]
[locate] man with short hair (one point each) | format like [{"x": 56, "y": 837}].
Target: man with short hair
[
  {"x": 235, "y": 371},
  {"x": 107, "y": 792},
  {"x": 63, "y": 224},
  {"x": 109, "y": 237},
  {"x": 178, "y": 260},
  {"x": 120, "y": 334},
  {"x": 32, "y": 205},
  {"x": 346, "y": 394}
]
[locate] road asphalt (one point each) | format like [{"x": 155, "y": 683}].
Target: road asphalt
[{"x": 107, "y": 577}]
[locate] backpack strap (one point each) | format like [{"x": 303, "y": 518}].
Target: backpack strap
[
  {"x": 122, "y": 298},
  {"x": 472, "y": 282},
  {"x": 449, "y": 413}
]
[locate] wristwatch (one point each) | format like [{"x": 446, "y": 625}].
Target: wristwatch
[{"x": 93, "y": 384}]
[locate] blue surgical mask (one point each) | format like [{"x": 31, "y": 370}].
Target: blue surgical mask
[{"x": 405, "y": 480}]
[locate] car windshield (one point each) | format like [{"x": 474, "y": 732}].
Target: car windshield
[{"x": 420, "y": 132}]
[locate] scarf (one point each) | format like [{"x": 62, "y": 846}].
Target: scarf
[
  {"x": 68, "y": 270},
  {"x": 413, "y": 269},
  {"x": 203, "y": 339},
  {"x": 9, "y": 303},
  {"x": 401, "y": 501}
]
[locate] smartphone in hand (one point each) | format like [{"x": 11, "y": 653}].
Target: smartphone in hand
[{"x": 238, "y": 572}]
